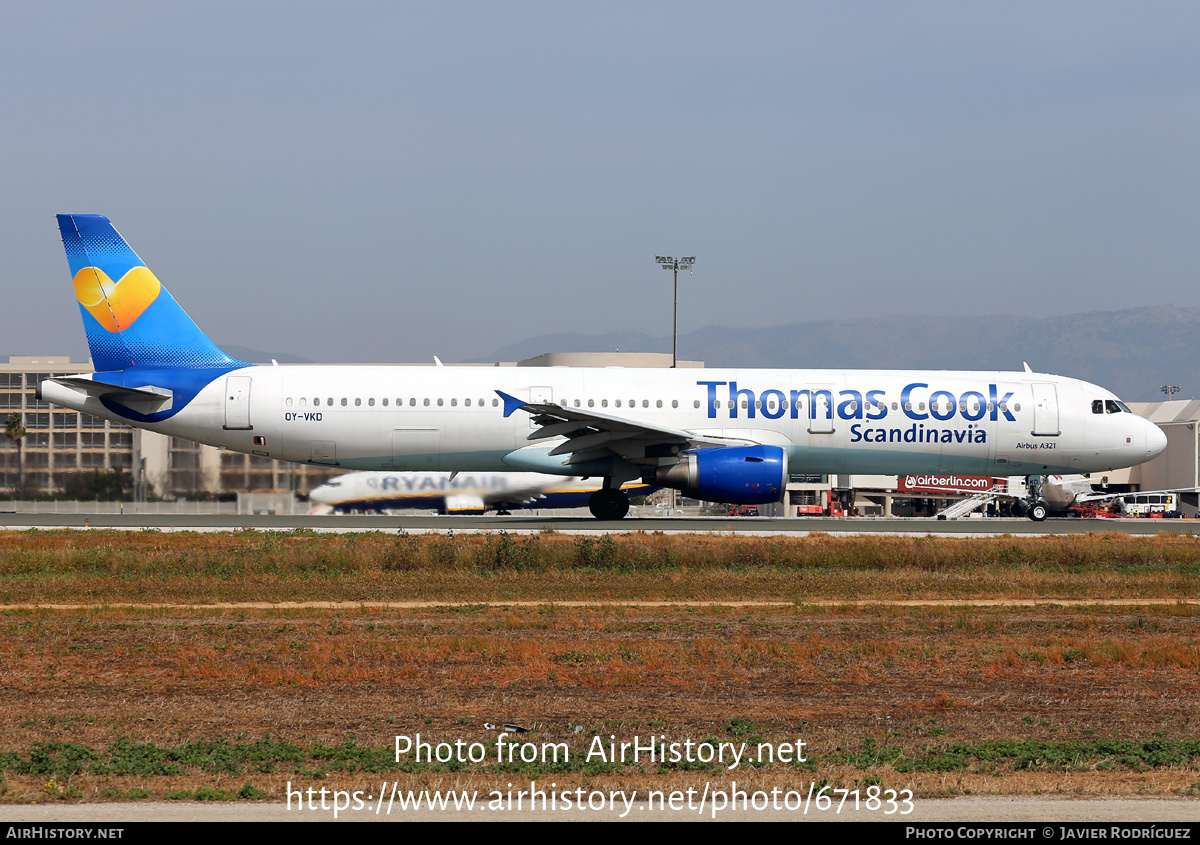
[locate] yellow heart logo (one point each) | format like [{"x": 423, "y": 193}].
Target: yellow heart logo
[{"x": 116, "y": 305}]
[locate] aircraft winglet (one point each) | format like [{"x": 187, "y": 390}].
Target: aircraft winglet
[{"x": 511, "y": 403}]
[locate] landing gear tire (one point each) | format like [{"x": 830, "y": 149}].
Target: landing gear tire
[
  {"x": 609, "y": 504},
  {"x": 1038, "y": 512}
]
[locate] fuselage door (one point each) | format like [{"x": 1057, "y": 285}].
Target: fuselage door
[
  {"x": 237, "y": 403},
  {"x": 1045, "y": 410},
  {"x": 820, "y": 408}
]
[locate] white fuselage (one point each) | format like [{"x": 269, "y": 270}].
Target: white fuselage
[{"x": 828, "y": 421}]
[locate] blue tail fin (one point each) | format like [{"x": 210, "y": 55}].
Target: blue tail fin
[{"x": 130, "y": 319}]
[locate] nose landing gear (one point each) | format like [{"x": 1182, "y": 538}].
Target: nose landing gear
[{"x": 1033, "y": 507}]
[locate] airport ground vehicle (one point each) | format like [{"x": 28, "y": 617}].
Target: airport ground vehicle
[{"x": 1149, "y": 504}]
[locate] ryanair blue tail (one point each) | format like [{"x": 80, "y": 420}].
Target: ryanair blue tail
[{"x": 131, "y": 321}]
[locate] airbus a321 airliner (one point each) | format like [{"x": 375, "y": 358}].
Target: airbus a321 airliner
[{"x": 719, "y": 435}]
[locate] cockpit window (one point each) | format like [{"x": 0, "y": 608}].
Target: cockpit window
[
  {"x": 1112, "y": 407},
  {"x": 1097, "y": 406}
]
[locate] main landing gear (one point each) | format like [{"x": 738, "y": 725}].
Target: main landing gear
[{"x": 609, "y": 503}]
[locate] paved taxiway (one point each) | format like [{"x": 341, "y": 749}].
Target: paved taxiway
[{"x": 517, "y": 524}]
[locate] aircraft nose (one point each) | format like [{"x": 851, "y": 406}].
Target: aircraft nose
[{"x": 1156, "y": 440}]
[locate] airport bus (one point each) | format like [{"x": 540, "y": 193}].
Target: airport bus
[{"x": 1145, "y": 504}]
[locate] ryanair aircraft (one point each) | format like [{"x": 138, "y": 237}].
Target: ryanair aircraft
[
  {"x": 718, "y": 435},
  {"x": 457, "y": 493}
]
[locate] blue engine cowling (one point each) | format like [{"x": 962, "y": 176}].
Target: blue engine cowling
[{"x": 741, "y": 475}]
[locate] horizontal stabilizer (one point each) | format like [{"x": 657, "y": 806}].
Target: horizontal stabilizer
[{"x": 145, "y": 400}]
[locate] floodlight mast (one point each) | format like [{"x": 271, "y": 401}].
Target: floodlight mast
[
  {"x": 673, "y": 264},
  {"x": 1170, "y": 389}
]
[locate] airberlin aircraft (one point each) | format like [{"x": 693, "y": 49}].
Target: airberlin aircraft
[{"x": 719, "y": 435}]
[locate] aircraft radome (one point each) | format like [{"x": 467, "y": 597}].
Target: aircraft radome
[{"x": 725, "y": 435}]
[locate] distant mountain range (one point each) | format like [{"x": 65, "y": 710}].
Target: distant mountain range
[{"x": 1130, "y": 352}]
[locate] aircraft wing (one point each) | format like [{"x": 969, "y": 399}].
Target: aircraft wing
[{"x": 591, "y": 435}]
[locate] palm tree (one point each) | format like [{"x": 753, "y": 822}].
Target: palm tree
[{"x": 13, "y": 432}]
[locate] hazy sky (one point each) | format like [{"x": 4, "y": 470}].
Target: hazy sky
[{"x": 389, "y": 181}]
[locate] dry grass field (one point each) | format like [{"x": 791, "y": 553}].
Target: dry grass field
[{"x": 132, "y": 688}]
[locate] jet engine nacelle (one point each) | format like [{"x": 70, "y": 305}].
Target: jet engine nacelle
[{"x": 741, "y": 475}]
